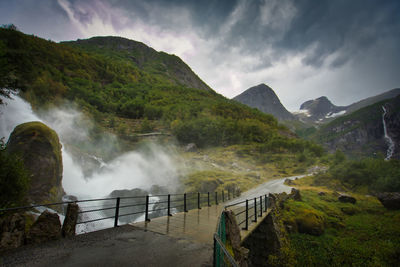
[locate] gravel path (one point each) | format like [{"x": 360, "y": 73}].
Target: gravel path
[{"x": 122, "y": 246}]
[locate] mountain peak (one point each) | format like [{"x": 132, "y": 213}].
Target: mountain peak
[
  {"x": 264, "y": 99},
  {"x": 320, "y": 108}
]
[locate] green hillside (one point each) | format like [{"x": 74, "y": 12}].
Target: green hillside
[{"x": 117, "y": 79}]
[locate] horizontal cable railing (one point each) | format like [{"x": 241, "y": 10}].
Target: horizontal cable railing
[
  {"x": 101, "y": 213},
  {"x": 247, "y": 211}
]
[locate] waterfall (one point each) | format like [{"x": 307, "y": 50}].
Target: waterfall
[
  {"x": 133, "y": 169},
  {"x": 389, "y": 140}
]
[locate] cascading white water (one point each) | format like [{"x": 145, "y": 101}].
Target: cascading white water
[
  {"x": 389, "y": 140},
  {"x": 127, "y": 171}
]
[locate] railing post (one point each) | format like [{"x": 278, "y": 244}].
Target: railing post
[
  {"x": 255, "y": 210},
  {"x": 247, "y": 215},
  {"x": 146, "y": 217},
  {"x": 169, "y": 205},
  {"x": 208, "y": 199},
  {"x": 116, "y": 212},
  {"x": 184, "y": 203},
  {"x": 198, "y": 200},
  {"x": 223, "y": 196},
  {"x": 216, "y": 198},
  {"x": 266, "y": 203},
  {"x": 261, "y": 209}
]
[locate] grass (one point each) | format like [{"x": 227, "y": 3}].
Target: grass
[
  {"x": 240, "y": 166},
  {"x": 363, "y": 234}
]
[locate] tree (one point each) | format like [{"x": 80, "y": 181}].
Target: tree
[{"x": 14, "y": 179}]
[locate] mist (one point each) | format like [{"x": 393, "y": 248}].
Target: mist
[{"x": 150, "y": 165}]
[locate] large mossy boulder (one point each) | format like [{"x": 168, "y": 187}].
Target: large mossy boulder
[
  {"x": 390, "y": 200},
  {"x": 40, "y": 150},
  {"x": 310, "y": 222}
]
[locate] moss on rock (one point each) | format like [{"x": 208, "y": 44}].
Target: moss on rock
[
  {"x": 310, "y": 222},
  {"x": 40, "y": 149}
]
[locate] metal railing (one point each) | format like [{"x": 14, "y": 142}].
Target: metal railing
[
  {"x": 97, "y": 214},
  {"x": 246, "y": 212}
]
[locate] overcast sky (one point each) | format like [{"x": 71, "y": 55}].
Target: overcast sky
[{"x": 344, "y": 49}]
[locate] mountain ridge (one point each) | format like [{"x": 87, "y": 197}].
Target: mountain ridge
[
  {"x": 144, "y": 57},
  {"x": 264, "y": 99},
  {"x": 321, "y": 110}
]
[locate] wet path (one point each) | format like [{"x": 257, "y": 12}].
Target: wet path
[{"x": 198, "y": 224}]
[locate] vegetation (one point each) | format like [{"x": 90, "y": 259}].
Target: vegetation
[
  {"x": 14, "y": 179},
  {"x": 361, "y": 234},
  {"x": 368, "y": 175},
  {"x": 135, "y": 83}
]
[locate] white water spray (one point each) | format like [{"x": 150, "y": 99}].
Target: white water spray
[
  {"x": 389, "y": 140},
  {"x": 127, "y": 171}
]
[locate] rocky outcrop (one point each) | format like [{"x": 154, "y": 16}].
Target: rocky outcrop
[
  {"x": 47, "y": 227},
  {"x": 233, "y": 239},
  {"x": 295, "y": 194},
  {"x": 40, "y": 149},
  {"x": 71, "y": 218},
  {"x": 12, "y": 231},
  {"x": 390, "y": 200},
  {"x": 347, "y": 199},
  {"x": 269, "y": 237},
  {"x": 289, "y": 182},
  {"x": 263, "y": 98}
]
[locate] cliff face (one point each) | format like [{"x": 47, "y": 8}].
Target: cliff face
[
  {"x": 40, "y": 149},
  {"x": 264, "y": 99},
  {"x": 361, "y": 133}
]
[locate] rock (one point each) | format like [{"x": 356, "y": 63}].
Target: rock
[
  {"x": 191, "y": 147},
  {"x": 135, "y": 196},
  {"x": 40, "y": 150},
  {"x": 390, "y": 200},
  {"x": 233, "y": 236},
  {"x": 69, "y": 198},
  {"x": 71, "y": 217},
  {"x": 295, "y": 194},
  {"x": 347, "y": 199},
  {"x": 268, "y": 238},
  {"x": 309, "y": 222},
  {"x": 47, "y": 227},
  {"x": 12, "y": 231},
  {"x": 288, "y": 182},
  {"x": 322, "y": 193},
  {"x": 349, "y": 210}
]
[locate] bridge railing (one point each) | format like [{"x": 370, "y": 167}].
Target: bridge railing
[
  {"x": 246, "y": 212},
  {"x": 102, "y": 213}
]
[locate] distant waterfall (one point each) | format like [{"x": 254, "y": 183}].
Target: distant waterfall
[{"x": 390, "y": 149}]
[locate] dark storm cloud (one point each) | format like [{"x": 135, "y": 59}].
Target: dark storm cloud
[
  {"x": 333, "y": 47},
  {"x": 341, "y": 26}
]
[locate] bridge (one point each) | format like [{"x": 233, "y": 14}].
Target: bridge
[{"x": 189, "y": 218}]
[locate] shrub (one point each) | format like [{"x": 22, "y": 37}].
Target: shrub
[{"x": 14, "y": 179}]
